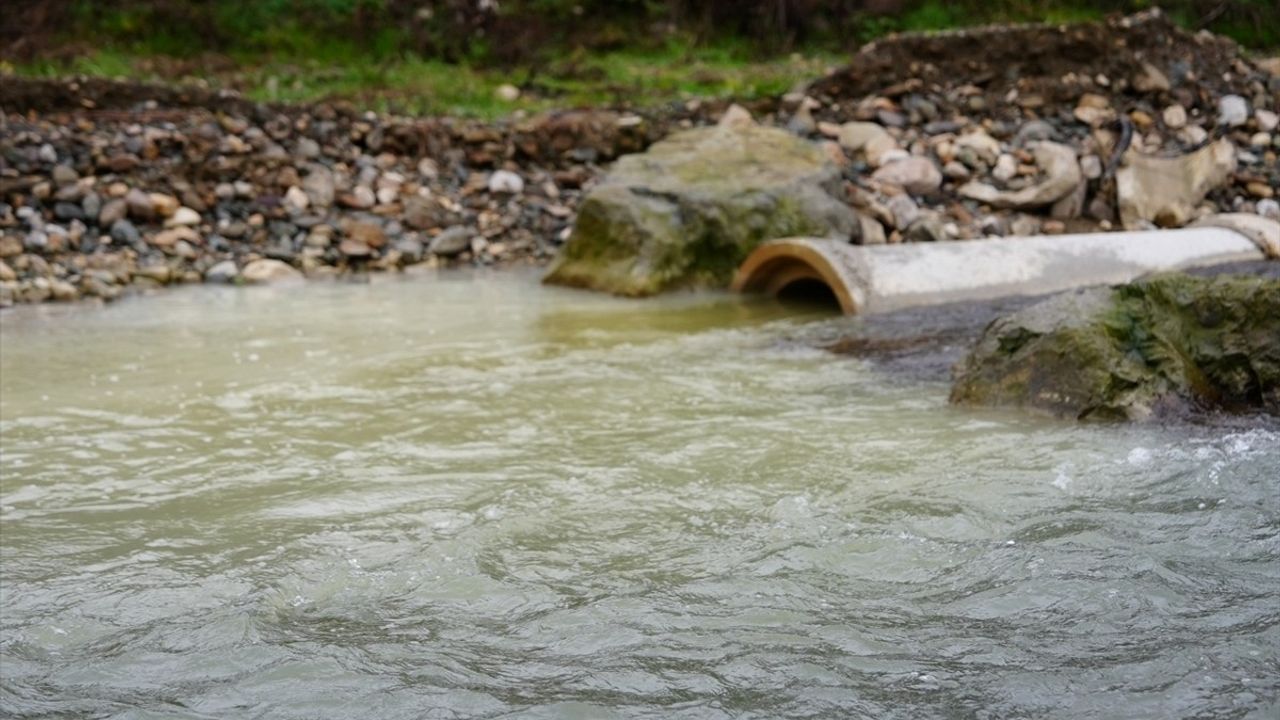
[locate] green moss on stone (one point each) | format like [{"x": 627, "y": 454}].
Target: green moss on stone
[
  {"x": 1160, "y": 344},
  {"x": 689, "y": 211}
]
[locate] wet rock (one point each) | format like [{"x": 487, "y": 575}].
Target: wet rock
[
  {"x": 1062, "y": 175},
  {"x": 1165, "y": 191},
  {"x": 688, "y": 211},
  {"x": 452, "y": 241},
  {"x": 269, "y": 271},
  {"x": 1170, "y": 343},
  {"x": 916, "y": 175}
]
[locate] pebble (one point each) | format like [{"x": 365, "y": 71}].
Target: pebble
[
  {"x": 506, "y": 182},
  {"x": 904, "y": 210},
  {"x": 1233, "y": 111},
  {"x": 271, "y": 271},
  {"x": 222, "y": 272},
  {"x": 1260, "y": 189},
  {"x": 123, "y": 232},
  {"x": 1269, "y": 208},
  {"x": 183, "y": 216},
  {"x": 451, "y": 242},
  {"x": 916, "y": 175},
  {"x": 957, "y": 171},
  {"x": 1175, "y": 117},
  {"x": 64, "y": 175},
  {"x": 1091, "y": 166},
  {"x": 296, "y": 198},
  {"x": 1006, "y": 168},
  {"x": 1267, "y": 120}
]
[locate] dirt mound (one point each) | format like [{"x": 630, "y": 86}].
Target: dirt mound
[{"x": 1033, "y": 66}]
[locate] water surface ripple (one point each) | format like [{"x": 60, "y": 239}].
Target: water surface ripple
[{"x": 476, "y": 497}]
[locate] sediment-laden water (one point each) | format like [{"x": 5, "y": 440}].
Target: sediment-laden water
[{"x": 472, "y": 496}]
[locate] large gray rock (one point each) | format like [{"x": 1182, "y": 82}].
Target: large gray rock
[
  {"x": 1167, "y": 343},
  {"x": 689, "y": 210}
]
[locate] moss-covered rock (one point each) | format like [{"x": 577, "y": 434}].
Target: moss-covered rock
[
  {"x": 1158, "y": 345},
  {"x": 688, "y": 211}
]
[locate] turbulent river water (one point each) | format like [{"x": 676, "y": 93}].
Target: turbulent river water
[{"x": 471, "y": 496}]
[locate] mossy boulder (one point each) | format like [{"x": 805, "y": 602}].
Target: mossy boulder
[
  {"x": 1161, "y": 345},
  {"x": 690, "y": 209}
]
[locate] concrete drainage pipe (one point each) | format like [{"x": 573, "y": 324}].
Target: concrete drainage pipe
[{"x": 877, "y": 278}]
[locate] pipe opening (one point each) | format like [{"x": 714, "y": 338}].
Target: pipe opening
[
  {"x": 797, "y": 272},
  {"x": 809, "y": 293}
]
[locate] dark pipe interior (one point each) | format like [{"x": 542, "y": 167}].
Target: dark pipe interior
[{"x": 811, "y": 293}]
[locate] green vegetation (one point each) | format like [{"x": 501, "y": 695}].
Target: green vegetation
[
  {"x": 452, "y": 55},
  {"x": 634, "y": 77}
]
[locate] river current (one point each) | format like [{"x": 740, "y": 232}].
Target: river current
[{"x": 469, "y": 496}]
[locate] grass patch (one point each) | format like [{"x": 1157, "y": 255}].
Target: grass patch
[{"x": 624, "y": 78}]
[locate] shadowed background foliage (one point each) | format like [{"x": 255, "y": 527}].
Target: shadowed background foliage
[{"x": 512, "y": 32}]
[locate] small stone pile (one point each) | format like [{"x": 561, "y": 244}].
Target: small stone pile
[{"x": 109, "y": 187}]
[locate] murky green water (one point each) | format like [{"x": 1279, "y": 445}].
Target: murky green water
[{"x": 476, "y": 497}]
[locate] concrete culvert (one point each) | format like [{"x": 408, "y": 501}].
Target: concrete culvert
[{"x": 879, "y": 278}]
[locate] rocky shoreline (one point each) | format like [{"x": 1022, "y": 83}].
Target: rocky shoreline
[{"x": 108, "y": 187}]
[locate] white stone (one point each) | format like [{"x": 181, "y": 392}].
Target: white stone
[
  {"x": 1233, "y": 111},
  {"x": 269, "y": 271},
  {"x": 296, "y": 198},
  {"x": 1269, "y": 209},
  {"x": 1006, "y": 168},
  {"x": 507, "y": 92},
  {"x": 183, "y": 217},
  {"x": 1175, "y": 117},
  {"x": 1267, "y": 120},
  {"x": 505, "y": 181},
  {"x": 1091, "y": 166}
]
